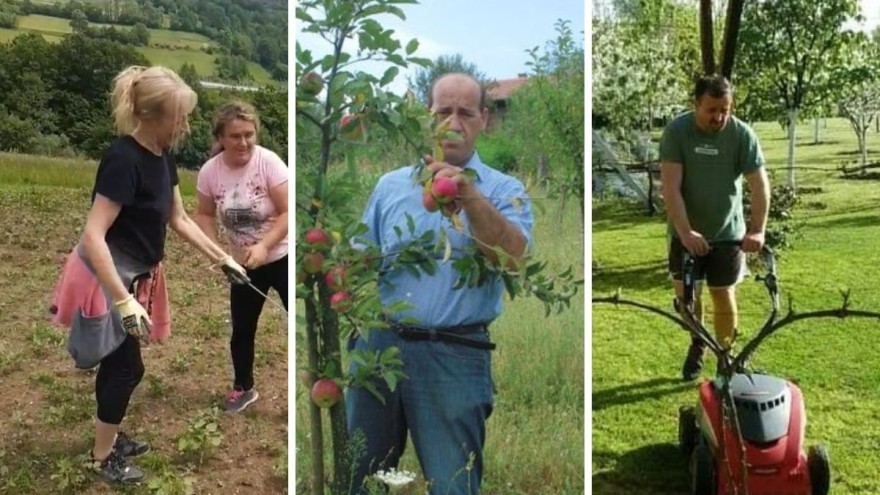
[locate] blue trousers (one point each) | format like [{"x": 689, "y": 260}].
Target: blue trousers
[{"x": 443, "y": 403}]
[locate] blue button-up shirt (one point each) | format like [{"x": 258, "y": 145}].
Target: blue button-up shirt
[{"x": 436, "y": 303}]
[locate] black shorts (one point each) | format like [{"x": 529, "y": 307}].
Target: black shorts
[{"x": 722, "y": 267}]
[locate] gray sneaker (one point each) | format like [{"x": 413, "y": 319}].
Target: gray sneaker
[
  {"x": 129, "y": 447},
  {"x": 116, "y": 470},
  {"x": 238, "y": 399}
]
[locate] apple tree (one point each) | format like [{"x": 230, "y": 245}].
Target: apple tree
[{"x": 337, "y": 272}]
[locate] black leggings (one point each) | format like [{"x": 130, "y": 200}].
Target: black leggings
[
  {"x": 246, "y": 306},
  {"x": 118, "y": 375}
]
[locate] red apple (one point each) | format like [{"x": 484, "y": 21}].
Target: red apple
[
  {"x": 317, "y": 238},
  {"x": 444, "y": 190},
  {"x": 340, "y": 302},
  {"x": 335, "y": 278},
  {"x": 325, "y": 392},
  {"x": 311, "y": 83},
  {"x": 429, "y": 202},
  {"x": 313, "y": 262},
  {"x": 352, "y": 127}
]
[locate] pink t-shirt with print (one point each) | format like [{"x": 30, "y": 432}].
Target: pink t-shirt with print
[{"x": 242, "y": 198}]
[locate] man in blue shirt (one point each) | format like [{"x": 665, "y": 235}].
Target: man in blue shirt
[{"x": 447, "y": 395}]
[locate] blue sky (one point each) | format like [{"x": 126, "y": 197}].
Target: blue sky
[{"x": 492, "y": 34}]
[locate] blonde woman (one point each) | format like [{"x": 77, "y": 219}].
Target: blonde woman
[
  {"x": 115, "y": 270},
  {"x": 247, "y": 185}
]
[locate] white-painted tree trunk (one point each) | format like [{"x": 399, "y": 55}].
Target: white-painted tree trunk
[
  {"x": 863, "y": 143},
  {"x": 816, "y": 131},
  {"x": 792, "y": 123}
]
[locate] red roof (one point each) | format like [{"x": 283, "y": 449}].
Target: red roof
[{"x": 502, "y": 90}]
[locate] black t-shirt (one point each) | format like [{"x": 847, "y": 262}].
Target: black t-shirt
[{"x": 143, "y": 184}]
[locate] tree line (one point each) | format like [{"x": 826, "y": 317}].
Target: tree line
[
  {"x": 246, "y": 30},
  {"x": 54, "y": 99}
]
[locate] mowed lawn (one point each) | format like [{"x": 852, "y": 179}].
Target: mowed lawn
[
  {"x": 637, "y": 357},
  {"x": 171, "y": 48},
  {"x": 535, "y": 436},
  {"x": 48, "y": 424}
]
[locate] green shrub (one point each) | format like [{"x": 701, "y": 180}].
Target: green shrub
[{"x": 497, "y": 150}]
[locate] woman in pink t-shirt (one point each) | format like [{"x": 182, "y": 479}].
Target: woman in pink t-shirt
[{"x": 246, "y": 186}]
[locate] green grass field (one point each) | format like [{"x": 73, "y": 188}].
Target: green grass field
[
  {"x": 535, "y": 435},
  {"x": 30, "y": 170},
  {"x": 186, "y": 47},
  {"x": 637, "y": 357}
]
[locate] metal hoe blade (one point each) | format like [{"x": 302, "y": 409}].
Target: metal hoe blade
[{"x": 266, "y": 297}]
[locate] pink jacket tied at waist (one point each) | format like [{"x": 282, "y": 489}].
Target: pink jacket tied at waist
[{"x": 78, "y": 288}]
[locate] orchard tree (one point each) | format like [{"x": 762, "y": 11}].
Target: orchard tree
[
  {"x": 794, "y": 46},
  {"x": 338, "y": 273},
  {"x": 859, "y": 86},
  {"x": 421, "y": 83},
  {"x": 642, "y": 69}
]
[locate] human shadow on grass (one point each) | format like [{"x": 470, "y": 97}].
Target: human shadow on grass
[
  {"x": 642, "y": 276},
  {"x": 637, "y": 392},
  {"x": 869, "y": 220},
  {"x": 619, "y": 215},
  {"x": 826, "y": 213},
  {"x": 658, "y": 469}
]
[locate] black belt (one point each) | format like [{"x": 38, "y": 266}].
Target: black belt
[{"x": 451, "y": 334}]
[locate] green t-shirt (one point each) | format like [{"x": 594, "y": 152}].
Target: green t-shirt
[{"x": 713, "y": 166}]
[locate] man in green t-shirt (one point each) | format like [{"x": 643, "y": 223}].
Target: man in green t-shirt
[{"x": 704, "y": 154}]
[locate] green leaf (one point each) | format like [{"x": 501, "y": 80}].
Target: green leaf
[
  {"x": 534, "y": 268},
  {"x": 453, "y": 136},
  {"x": 389, "y": 354},
  {"x": 430, "y": 266},
  {"x": 391, "y": 380},
  {"x": 508, "y": 285},
  {"x": 398, "y": 12},
  {"x": 389, "y": 75},
  {"x": 396, "y": 59},
  {"x": 358, "y": 358},
  {"x": 470, "y": 173},
  {"x": 302, "y": 15},
  {"x": 447, "y": 251},
  {"x": 412, "y": 46},
  {"x": 410, "y": 224},
  {"x": 399, "y": 307},
  {"x": 424, "y": 62}
]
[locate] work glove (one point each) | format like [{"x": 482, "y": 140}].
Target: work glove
[
  {"x": 135, "y": 319},
  {"x": 234, "y": 272}
]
